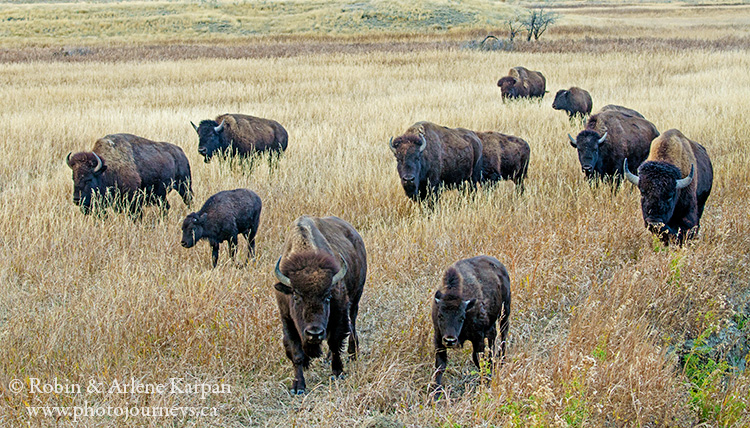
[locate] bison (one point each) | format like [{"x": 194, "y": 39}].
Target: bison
[
  {"x": 504, "y": 157},
  {"x": 522, "y": 83},
  {"x": 575, "y": 101},
  {"x": 609, "y": 138},
  {"x": 129, "y": 172},
  {"x": 475, "y": 293},
  {"x": 321, "y": 275},
  {"x": 429, "y": 155},
  {"x": 224, "y": 216},
  {"x": 621, "y": 109},
  {"x": 241, "y": 135},
  {"x": 674, "y": 182}
]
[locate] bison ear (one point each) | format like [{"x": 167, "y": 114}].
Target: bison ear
[
  {"x": 438, "y": 296},
  {"x": 283, "y": 288},
  {"x": 469, "y": 304}
]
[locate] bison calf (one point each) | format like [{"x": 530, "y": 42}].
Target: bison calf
[
  {"x": 475, "y": 293},
  {"x": 224, "y": 216},
  {"x": 504, "y": 157},
  {"x": 674, "y": 182},
  {"x": 575, "y": 101}
]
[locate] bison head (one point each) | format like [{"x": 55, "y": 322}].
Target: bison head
[
  {"x": 87, "y": 171},
  {"x": 408, "y": 150},
  {"x": 510, "y": 87},
  {"x": 659, "y": 184},
  {"x": 562, "y": 100},
  {"x": 210, "y": 138},
  {"x": 588, "y": 143},
  {"x": 192, "y": 229},
  {"x": 449, "y": 310},
  {"x": 312, "y": 279}
]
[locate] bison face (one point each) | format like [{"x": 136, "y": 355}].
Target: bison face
[
  {"x": 588, "y": 143},
  {"x": 210, "y": 138},
  {"x": 408, "y": 150},
  {"x": 87, "y": 178},
  {"x": 509, "y": 87},
  {"x": 449, "y": 314},
  {"x": 659, "y": 184},
  {"x": 311, "y": 285},
  {"x": 562, "y": 100},
  {"x": 192, "y": 229}
]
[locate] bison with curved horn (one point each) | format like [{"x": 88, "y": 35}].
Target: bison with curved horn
[
  {"x": 522, "y": 83},
  {"x": 675, "y": 182},
  {"x": 129, "y": 171},
  {"x": 242, "y": 135}
]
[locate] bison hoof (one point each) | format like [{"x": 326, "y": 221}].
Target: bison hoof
[
  {"x": 335, "y": 376},
  {"x": 295, "y": 391}
]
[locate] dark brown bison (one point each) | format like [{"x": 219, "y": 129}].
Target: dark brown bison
[
  {"x": 430, "y": 155},
  {"x": 609, "y": 138},
  {"x": 621, "y": 109},
  {"x": 674, "y": 182},
  {"x": 475, "y": 293},
  {"x": 575, "y": 101},
  {"x": 128, "y": 172},
  {"x": 504, "y": 157},
  {"x": 241, "y": 135},
  {"x": 224, "y": 216},
  {"x": 321, "y": 276},
  {"x": 522, "y": 83}
]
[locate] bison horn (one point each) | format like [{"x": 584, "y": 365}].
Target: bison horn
[
  {"x": 572, "y": 141},
  {"x": 604, "y": 137},
  {"x": 99, "y": 163},
  {"x": 424, "y": 143},
  {"x": 685, "y": 182},
  {"x": 67, "y": 159},
  {"x": 219, "y": 128},
  {"x": 629, "y": 175},
  {"x": 194, "y": 127},
  {"x": 341, "y": 273},
  {"x": 282, "y": 278},
  {"x": 390, "y": 144}
]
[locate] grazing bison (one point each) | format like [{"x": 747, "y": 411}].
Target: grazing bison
[
  {"x": 128, "y": 170},
  {"x": 429, "y": 155},
  {"x": 609, "y": 138},
  {"x": 475, "y": 293},
  {"x": 522, "y": 83},
  {"x": 575, "y": 101},
  {"x": 224, "y": 216},
  {"x": 321, "y": 276},
  {"x": 504, "y": 157},
  {"x": 240, "y": 134},
  {"x": 672, "y": 206},
  {"x": 621, "y": 109}
]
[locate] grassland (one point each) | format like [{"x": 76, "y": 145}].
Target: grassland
[{"x": 603, "y": 317}]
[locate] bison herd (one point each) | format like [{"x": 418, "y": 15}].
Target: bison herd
[{"x": 322, "y": 270}]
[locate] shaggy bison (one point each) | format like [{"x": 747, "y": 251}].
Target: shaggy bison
[
  {"x": 321, "y": 275},
  {"x": 429, "y": 155},
  {"x": 475, "y": 293},
  {"x": 129, "y": 171},
  {"x": 504, "y": 157},
  {"x": 522, "y": 83},
  {"x": 674, "y": 182},
  {"x": 610, "y": 137},
  {"x": 240, "y": 134},
  {"x": 224, "y": 216},
  {"x": 575, "y": 101}
]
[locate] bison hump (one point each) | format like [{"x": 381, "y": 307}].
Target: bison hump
[{"x": 117, "y": 152}]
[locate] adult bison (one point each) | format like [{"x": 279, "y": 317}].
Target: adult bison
[
  {"x": 241, "y": 135},
  {"x": 609, "y": 138},
  {"x": 674, "y": 182},
  {"x": 522, "y": 83},
  {"x": 129, "y": 171},
  {"x": 321, "y": 275},
  {"x": 504, "y": 157},
  {"x": 474, "y": 295},
  {"x": 430, "y": 155},
  {"x": 575, "y": 101}
]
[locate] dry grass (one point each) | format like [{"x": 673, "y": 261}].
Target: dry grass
[{"x": 598, "y": 305}]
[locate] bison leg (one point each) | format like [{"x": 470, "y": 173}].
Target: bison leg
[
  {"x": 294, "y": 352},
  {"x": 441, "y": 360},
  {"x": 185, "y": 190},
  {"x": 353, "y": 339},
  {"x": 250, "y": 237},
  {"x": 477, "y": 344},
  {"x": 233, "y": 246},
  {"x": 214, "y": 253}
]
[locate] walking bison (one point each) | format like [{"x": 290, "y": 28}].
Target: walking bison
[
  {"x": 522, "y": 83},
  {"x": 321, "y": 275},
  {"x": 575, "y": 101},
  {"x": 429, "y": 155},
  {"x": 504, "y": 157},
  {"x": 128, "y": 171},
  {"x": 239, "y": 134},
  {"x": 675, "y": 182},
  {"x": 224, "y": 216},
  {"x": 610, "y": 137},
  {"x": 475, "y": 293}
]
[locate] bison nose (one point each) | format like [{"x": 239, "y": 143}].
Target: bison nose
[
  {"x": 408, "y": 179},
  {"x": 76, "y": 200},
  {"x": 202, "y": 150},
  {"x": 184, "y": 244},
  {"x": 450, "y": 341},
  {"x": 315, "y": 333},
  {"x": 587, "y": 168}
]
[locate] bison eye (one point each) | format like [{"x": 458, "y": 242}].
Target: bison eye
[
  {"x": 297, "y": 297},
  {"x": 327, "y": 299}
]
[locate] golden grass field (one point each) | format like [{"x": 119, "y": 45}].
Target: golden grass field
[{"x": 600, "y": 311}]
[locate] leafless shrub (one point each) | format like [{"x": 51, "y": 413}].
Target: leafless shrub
[{"x": 536, "y": 22}]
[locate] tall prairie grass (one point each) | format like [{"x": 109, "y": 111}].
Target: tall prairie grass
[{"x": 600, "y": 309}]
